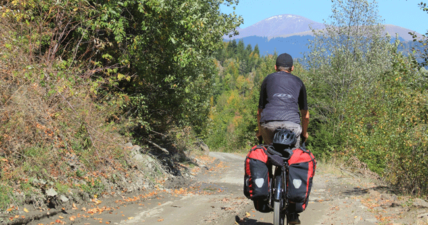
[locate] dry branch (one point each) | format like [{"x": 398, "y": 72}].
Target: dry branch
[{"x": 158, "y": 147}]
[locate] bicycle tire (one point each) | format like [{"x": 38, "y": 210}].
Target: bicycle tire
[
  {"x": 277, "y": 213},
  {"x": 277, "y": 206}
]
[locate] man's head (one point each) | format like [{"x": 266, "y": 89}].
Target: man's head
[{"x": 284, "y": 62}]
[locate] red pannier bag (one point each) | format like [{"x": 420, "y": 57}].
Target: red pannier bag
[
  {"x": 301, "y": 170},
  {"x": 256, "y": 179}
]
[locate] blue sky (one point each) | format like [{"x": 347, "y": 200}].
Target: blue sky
[{"x": 397, "y": 12}]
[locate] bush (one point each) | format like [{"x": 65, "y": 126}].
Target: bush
[
  {"x": 388, "y": 131},
  {"x": 368, "y": 100},
  {"x": 52, "y": 120}
]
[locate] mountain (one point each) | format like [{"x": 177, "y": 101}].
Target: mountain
[
  {"x": 401, "y": 31},
  {"x": 297, "y": 45},
  {"x": 291, "y": 34},
  {"x": 290, "y": 25},
  {"x": 294, "y": 45},
  {"x": 277, "y": 26}
]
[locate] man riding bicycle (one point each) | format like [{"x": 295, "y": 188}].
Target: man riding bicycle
[{"x": 282, "y": 95}]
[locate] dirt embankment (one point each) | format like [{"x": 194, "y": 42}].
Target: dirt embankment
[{"x": 147, "y": 173}]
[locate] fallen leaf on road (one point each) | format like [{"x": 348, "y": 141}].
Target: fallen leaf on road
[
  {"x": 160, "y": 220},
  {"x": 25, "y": 210},
  {"x": 247, "y": 214}
]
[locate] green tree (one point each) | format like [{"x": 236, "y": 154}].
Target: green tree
[
  {"x": 232, "y": 48},
  {"x": 423, "y": 53},
  {"x": 241, "y": 49},
  {"x": 256, "y": 50},
  {"x": 351, "y": 52},
  {"x": 248, "y": 50},
  {"x": 160, "y": 52},
  {"x": 350, "y": 48},
  {"x": 366, "y": 98},
  {"x": 233, "y": 116}
]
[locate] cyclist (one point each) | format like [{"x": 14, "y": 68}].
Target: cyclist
[{"x": 282, "y": 94}]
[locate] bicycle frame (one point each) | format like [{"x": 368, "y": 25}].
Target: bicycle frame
[
  {"x": 280, "y": 177},
  {"x": 279, "y": 201}
]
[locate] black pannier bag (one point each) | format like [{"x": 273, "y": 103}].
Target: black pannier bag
[
  {"x": 262, "y": 206},
  {"x": 301, "y": 170},
  {"x": 257, "y": 178}
]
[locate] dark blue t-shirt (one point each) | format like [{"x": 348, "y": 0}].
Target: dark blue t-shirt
[{"x": 281, "y": 96}]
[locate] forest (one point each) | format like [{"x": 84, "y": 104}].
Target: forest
[
  {"x": 367, "y": 99},
  {"x": 78, "y": 77}
]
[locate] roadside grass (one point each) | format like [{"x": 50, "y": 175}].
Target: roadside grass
[
  {"x": 56, "y": 132},
  {"x": 329, "y": 166},
  {"x": 5, "y": 196}
]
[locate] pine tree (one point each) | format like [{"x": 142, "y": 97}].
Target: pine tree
[
  {"x": 248, "y": 50},
  {"x": 256, "y": 50},
  {"x": 231, "y": 48},
  {"x": 241, "y": 49}
]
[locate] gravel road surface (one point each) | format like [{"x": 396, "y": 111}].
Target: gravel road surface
[{"x": 215, "y": 197}]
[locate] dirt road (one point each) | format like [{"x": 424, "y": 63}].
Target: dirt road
[{"x": 215, "y": 197}]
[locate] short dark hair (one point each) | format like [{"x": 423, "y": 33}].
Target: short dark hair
[{"x": 283, "y": 68}]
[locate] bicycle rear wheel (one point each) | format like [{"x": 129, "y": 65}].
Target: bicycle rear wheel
[
  {"x": 277, "y": 214},
  {"x": 278, "y": 217}
]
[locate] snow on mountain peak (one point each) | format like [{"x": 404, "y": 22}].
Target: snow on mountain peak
[
  {"x": 280, "y": 17},
  {"x": 279, "y": 25}
]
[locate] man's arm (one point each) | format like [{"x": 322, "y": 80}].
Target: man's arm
[
  {"x": 305, "y": 122},
  {"x": 259, "y": 115},
  {"x": 262, "y": 102}
]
